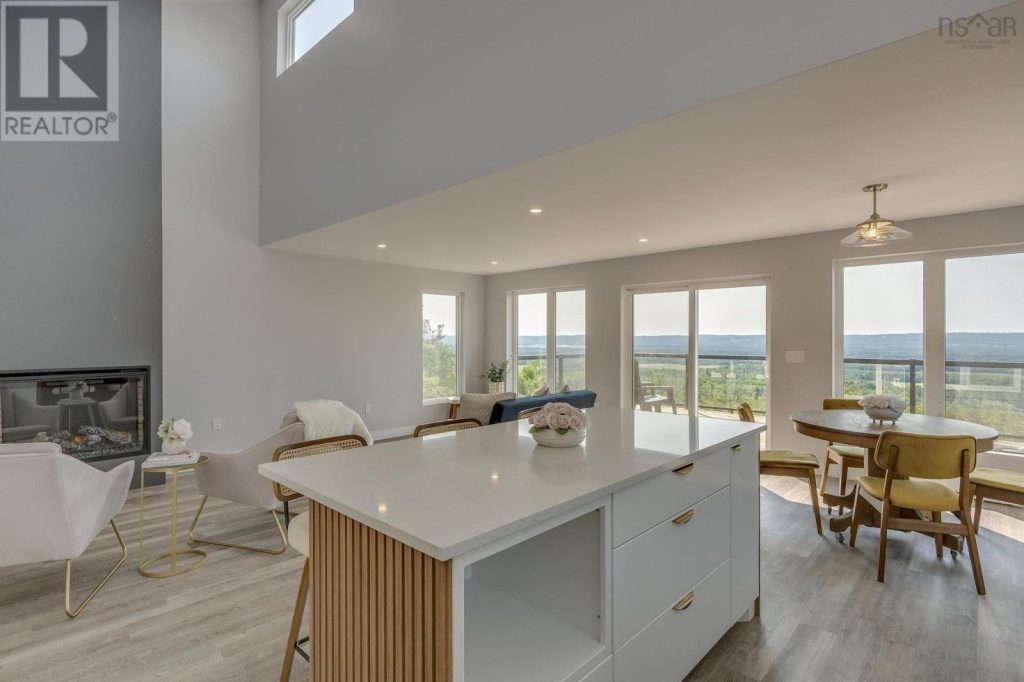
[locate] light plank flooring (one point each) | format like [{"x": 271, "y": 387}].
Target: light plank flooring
[{"x": 824, "y": 617}]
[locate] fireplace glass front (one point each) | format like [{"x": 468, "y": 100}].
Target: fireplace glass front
[{"x": 91, "y": 414}]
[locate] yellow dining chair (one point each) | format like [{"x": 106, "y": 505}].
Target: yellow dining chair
[
  {"x": 846, "y": 456},
  {"x": 791, "y": 463},
  {"x": 912, "y": 463},
  {"x": 995, "y": 484}
]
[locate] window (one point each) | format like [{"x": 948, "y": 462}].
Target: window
[
  {"x": 730, "y": 347},
  {"x": 985, "y": 344},
  {"x": 550, "y": 340},
  {"x": 945, "y": 331},
  {"x": 883, "y": 331},
  {"x": 307, "y": 22},
  {"x": 441, "y": 346}
]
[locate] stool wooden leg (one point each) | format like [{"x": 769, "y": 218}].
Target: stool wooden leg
[
  {"x": 883, "y": 540},
  {"x": 972, "y": 547},
  {"x": 824, "y": 473},
  {"x": 844, "y": 468},
  {"x": 858, "y": 509},
  {"x": 814, "y": 497},
  {"x": 977, "y": 513},
  {"x": 937, "y": 518},
  {"x": 293, "y": 632}
]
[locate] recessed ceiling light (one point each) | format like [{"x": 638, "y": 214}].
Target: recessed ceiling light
[
  {"x": 382, "y": 246},
  {"x": 536, "y": 210},
  {"x": 494, "y": 262},
  {"x": 642, "y": 240}
]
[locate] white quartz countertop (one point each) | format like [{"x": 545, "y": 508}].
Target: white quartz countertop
[{"x": 450, "y": 493}]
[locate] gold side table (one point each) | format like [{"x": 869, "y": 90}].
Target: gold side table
[{"x": 175, "y": 567}]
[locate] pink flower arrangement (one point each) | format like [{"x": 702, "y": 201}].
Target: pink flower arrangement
[{"x": 560, "y": 417}]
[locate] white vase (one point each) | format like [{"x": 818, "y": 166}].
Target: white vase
[
  {"x": 173, "y": 446},
  {"x": 494, "y": 387},
  {"x": 550, "y": 438}
]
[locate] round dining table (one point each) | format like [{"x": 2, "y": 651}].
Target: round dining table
[{"x": 854, "y": 427}]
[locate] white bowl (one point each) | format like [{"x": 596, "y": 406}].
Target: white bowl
[
  {"x": 883, "y": 414},
  {"x": 550, "y": 438}
]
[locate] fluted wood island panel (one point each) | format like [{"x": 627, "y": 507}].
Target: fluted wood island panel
[{"x": 381, "y": 609}]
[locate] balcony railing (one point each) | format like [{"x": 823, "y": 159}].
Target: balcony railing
[{"x": 988, "y": 392}]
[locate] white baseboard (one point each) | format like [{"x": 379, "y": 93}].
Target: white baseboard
[{"x": 392, "y": 433}]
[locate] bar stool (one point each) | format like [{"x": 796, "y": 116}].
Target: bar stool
[{"x": 298, "y": 538}]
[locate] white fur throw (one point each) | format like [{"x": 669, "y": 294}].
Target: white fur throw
[{"x": 328, "y": 418}]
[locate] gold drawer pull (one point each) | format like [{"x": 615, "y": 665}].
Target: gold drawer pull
[
  {"x": 683, "y": 518},
  {"x": 736, "y": 447},
  {"x": 684, "y": 603},
  {"x": 683, "y": 470}
]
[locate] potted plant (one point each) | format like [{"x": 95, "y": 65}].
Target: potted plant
[
  {"x": 496, "y": 375},
  {"x": 558, "y": 425}
]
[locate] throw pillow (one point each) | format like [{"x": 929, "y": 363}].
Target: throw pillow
[
  {"x": 542, "y": 391},
  {"x": 565, "y": 389}
]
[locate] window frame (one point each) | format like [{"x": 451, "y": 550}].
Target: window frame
[
  {"x": 460, "y": 375},
  {"x": 934, "y": 319},
  {"x": 551, "y": 350},
  {"x": 286, "y": 16}
]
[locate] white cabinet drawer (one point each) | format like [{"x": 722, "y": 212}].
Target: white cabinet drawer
[
  {"x": 659, "y": 566},
  {"x": 669, "y": 648},
  {"x": 650, "y": 502}
]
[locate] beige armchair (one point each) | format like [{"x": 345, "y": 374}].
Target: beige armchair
[
  {"x": 61, "y": 505},
  {"x": 234, "y": 476}
]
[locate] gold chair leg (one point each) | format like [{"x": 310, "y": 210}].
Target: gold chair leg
[
  {"x": 67, "y": 577},
  {"x": 814, "y": 497},
  {"x": 208, "y": 541},
  {"x": 293, "y": 632}
]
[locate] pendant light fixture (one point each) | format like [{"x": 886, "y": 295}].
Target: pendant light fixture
[{"x": 876, "y": 230}]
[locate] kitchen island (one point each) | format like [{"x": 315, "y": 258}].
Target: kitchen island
[{"x": 477, "y": 555}]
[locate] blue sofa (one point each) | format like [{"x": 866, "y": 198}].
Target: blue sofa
[{"x": 508, "y": 410}]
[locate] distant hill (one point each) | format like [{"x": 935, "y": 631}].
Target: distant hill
[{"x": 962, "y": 346}]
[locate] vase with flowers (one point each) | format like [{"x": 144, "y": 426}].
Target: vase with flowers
[
  {"x": 883, "y": 408},
  {"x": 558, "y": 425},
  {"x": 174, "y": 432}
]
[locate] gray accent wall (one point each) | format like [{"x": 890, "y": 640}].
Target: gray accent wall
[{"x": 80, "y": 246}]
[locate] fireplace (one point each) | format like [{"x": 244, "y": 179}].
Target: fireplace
[{"x": 92, "y": 414}]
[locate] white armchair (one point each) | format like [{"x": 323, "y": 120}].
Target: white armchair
[
  {"x": 234, "y": 476},
  {"x": 62, "y": 504}
]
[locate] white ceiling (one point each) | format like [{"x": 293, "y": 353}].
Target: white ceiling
[{"x": 944, "y": 126}]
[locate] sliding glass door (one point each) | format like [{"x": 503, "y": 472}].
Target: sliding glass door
[
  {"x": 531, "y": 342},
  {"x": 703, "y": 345}
]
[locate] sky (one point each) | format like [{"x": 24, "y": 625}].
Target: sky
[
  {"x": 316, "y": 21},
  {"x": 441, "y": 309},
  {"x": 983, "y": 294},
  {"x": 733, "y": 310}
]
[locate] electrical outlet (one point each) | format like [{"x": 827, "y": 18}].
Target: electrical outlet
[
  {"x": 367, "y": 408},
  {"x": 217, "y": 424}
]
